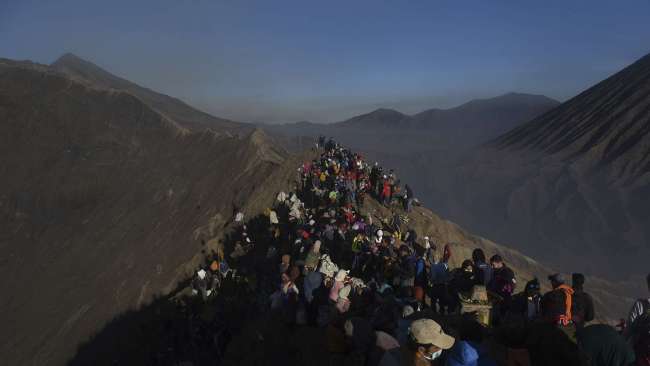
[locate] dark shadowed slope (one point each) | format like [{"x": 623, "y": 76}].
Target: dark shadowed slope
[
  {"x": 172, "y": 108},
  {"x": 104, "y": 203},
  {"x": 572, "y": 187}
]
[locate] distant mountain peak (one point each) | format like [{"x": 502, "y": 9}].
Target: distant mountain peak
[
  {"x": 386, "y": 111},
  {"x": 72, "y": 63},
  {"x": 68, "y": 56},
  {"x": 88, "y": 73},
  {"x": 378, "y": 117}
]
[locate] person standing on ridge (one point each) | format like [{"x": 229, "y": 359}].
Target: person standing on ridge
[
  {"x": 556, "y": 305},
  {"x": 526, "y": 304},
  {"x": 439, "y": 279},
  {"x": 482, "y": 271},
  {"x": 583, "y": 304},
  {"x": 503, "y": 278},
  {"x": 408, "y": 198},
  {"x": 638, "y": 329}
]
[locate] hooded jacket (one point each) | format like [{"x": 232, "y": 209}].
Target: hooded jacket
[{"x": 465, "y": 353}]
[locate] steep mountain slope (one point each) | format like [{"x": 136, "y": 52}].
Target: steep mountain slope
[
  {"x": 104, "y": 203},
  {"x": 571, "y": 187},
  {"x": 173, "y": 108}
]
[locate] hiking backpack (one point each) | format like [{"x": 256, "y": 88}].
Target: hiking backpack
[
  {"x": 641, "y": 326},
  {"x": 641, "y": 331}
]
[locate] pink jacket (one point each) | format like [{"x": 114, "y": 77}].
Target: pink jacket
[{"x": 334, "y": 291}]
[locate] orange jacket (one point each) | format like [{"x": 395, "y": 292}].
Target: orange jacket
[{"x": 566, "y": 318}]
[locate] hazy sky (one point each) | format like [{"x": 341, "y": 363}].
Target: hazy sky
[{"x": 285, "y": 61}]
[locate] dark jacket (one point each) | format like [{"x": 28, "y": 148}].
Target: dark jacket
[
  {"x": 553, "y": 305},
  {"x": 503, "y": 282},
  {"x": 407, "y": 267},
  {"x": 548, "y": 345},
  {"x": 461, "y": 281},
  {"x": 521, "y": 304},
  {"x": 482, "y": 274},
  {"x": 409, "y": 192},
  {"x": 603, "y": 346},
  {"x": 583, "y": 307}
]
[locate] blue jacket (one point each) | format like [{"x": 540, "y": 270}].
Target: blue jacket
[
  {"x": 468, "y": 354},
  {"x": 312, "y": 282},
  {"x": 439, "y": 273}
]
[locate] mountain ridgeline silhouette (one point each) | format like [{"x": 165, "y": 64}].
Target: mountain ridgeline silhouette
[
  {"x": 173, "y": 108},
  {"x": 466, "y": 125}
]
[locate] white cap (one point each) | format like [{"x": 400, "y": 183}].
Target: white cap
[
  {"x": 340, "y": 275},
  {"x": 201, "y": 274}
]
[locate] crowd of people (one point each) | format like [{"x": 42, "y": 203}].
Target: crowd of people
[{"x": 384, "y": 294}]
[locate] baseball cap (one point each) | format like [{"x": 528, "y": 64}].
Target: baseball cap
[{"x": 427, "y": 331}]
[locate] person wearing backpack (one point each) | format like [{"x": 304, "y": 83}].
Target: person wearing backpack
[
  {"x": 482, "y": 270},
  {"x": 503, "y": 284},
  {"x": 406, "y": 270},
  {"x": 439, "y": 279},
  {"x": 503, "y": 281},
  {"x": 583, "y": 303},
  {"x": 638, "y": 330},
  {"x": 526, "y": 304},
  {"x": 421, "y": 279},
  {"x": 556, "y": 305}
]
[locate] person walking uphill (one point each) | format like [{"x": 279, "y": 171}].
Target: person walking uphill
[{"x": 638, "y": 330}]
